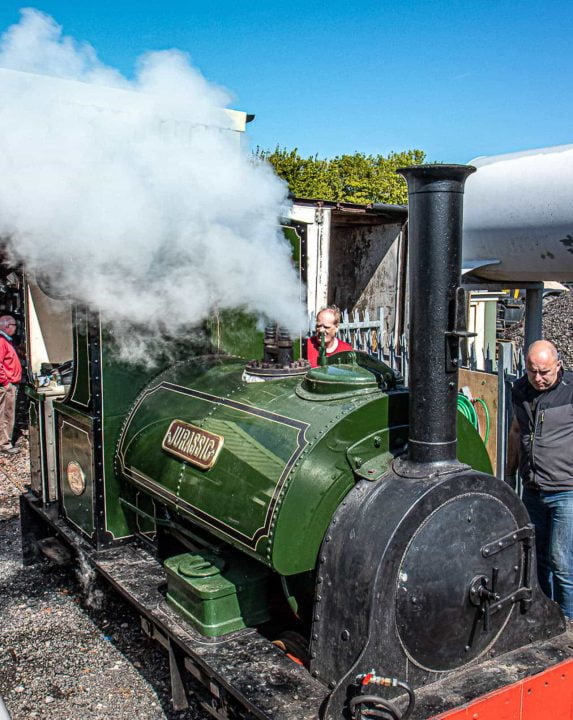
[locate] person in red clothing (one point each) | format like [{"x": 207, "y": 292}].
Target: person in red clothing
[
  {"x": 327, "y": 322},
  {"x": 10, "y": 375}
]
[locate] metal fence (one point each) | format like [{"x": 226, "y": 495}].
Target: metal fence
[
  {"x": 369, "y": 335},
  {"x": 470, "y": 359},
  {"x": 510, "y": 367}
]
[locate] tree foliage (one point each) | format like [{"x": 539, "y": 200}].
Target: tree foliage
[{"x": 356, "y": 178}]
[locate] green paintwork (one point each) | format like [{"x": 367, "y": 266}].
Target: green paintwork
[
  {"x": 286, "y": 462},
  {"x": 235, "y": 332},
  {"x": 81, "y": 392},
  {"x": 76, "y": 442},
  {"x": 292, "y": 235},
  {"x": 121, "y": 384},
  {"x": 75, "y": 436},
  {"x": 145, "y": 514},
  {"x": 471, "y": 449},
  {"x": 336, "y": 378},
  {"x": 294, "y": 238},
  {"x": 33, "y": 413},
  {"x": 217, "y": 595},
  {"x": 346, "y": 374},
  {"x": 38, "y": 469},
  {"x": 82, "y": 417}
]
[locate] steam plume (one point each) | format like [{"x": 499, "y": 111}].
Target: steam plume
[{"x": 129, "y": 192}]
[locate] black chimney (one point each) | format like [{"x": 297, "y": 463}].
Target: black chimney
[{"x": 437, "y": 309}]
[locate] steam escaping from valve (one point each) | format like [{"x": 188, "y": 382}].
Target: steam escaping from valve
[{"x": 135, "y": 197}]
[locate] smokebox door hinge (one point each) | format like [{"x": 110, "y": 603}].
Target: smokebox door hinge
[
  {"x": 522, "y": 594},
  {"x": 525, "y": 533}
]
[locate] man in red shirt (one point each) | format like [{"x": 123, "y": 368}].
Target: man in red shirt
[
  {"x": 10, "y": 375},
  {"x": 327, "y": 322}
]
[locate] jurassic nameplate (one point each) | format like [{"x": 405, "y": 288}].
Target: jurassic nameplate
[{"x": 193, "y": 444}]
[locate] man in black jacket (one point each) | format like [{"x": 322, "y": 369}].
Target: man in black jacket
[{"x": 541, "y": 443}]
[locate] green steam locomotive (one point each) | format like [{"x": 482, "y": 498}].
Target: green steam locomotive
[{"x": 296, "y": 536}]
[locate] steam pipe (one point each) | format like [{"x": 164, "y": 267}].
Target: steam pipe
[{"x": 437, "y": 308}]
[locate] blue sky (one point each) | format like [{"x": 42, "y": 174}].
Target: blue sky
[{"x": 456, "y": 79}]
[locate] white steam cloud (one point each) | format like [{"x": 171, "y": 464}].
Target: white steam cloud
[{"x": 137, "y": 203}]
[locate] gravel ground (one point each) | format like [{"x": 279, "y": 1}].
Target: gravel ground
[
  {"x": 557, "y": 326},
  {"x": 66, "y": 651}
]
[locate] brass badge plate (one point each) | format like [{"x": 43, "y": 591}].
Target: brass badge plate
[
  {"x": 193, "y": 444},
  {"x": 76, "y": 477}
]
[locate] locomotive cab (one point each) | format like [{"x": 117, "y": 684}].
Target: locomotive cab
[{"x": 49, "y": 349}]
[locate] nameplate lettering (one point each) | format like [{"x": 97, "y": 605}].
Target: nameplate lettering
[{"x": 193, "y": 444}]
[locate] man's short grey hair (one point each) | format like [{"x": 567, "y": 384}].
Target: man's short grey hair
[
  {"x": 335, "y": 310},
  {"x": 544, "y": 345},
  {"x": 6, "y": 320}
]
